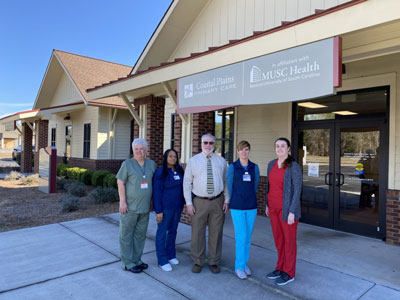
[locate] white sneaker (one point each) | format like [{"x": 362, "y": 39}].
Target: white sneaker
[
  {"x": 241, "y": 274},
  {"x": 166, "y": 267},
  {"x": 174, "y": 261},
  {"x": 247, "y": 271}
]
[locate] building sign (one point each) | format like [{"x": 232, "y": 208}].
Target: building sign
[{"x": 299, "y": 73}]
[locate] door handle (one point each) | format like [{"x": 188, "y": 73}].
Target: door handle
[
  {"x": 340, "y": 176},
  {"x": 326, "y": 177}
]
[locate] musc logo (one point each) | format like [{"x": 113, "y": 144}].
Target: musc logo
[
  {"x": 255, "y": 74},
  {"x": 188, "y": 88}
]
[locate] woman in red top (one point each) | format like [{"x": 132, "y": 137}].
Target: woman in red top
[{"x": 283, "y": 208}]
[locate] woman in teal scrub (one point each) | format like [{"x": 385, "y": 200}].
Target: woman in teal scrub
[{"x": 134, "y": 180}]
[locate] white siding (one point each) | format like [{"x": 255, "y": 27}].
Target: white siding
[
  {"x": 169, "y": 109},
  {"x": 103, "y": 133},
  {"x": 122, "y": 134},
  {"x": 65, "y": 92},
  {"x": 58, "y": 122},
  {"x": 261, "y": 125},
  {"x": 224, "y": 20}
]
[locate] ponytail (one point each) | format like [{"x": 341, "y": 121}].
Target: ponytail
[{"x": 288, "y": 162}]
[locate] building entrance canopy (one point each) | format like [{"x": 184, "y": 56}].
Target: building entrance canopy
[{"x": 303, "y": 72}]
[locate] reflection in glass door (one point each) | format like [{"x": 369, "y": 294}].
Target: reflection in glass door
[
  {"x": 342, "y": 182},
  {"x": 358, "y": 176},
  {"x": 314, "y": 157}
]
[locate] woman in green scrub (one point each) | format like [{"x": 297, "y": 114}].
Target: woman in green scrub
[{"x": 134, "y": 180}]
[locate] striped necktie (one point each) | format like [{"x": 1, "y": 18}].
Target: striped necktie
[{"x": 210, "y": 181}]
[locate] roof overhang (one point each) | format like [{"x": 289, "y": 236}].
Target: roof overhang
[
  {"x": 352, "y": 18},
  {"x": 44, "y": 113}
]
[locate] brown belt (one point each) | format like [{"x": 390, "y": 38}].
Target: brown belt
[{"x": 209, "y": 198}]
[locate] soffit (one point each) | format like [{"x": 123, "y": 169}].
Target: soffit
[{"x": 171, "y": 30}]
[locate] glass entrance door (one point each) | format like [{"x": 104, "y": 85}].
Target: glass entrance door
[
  {"x": 315, "y": 157},
  {"x": 342, "y": 175},
  {"x": 357, "y": 183}
]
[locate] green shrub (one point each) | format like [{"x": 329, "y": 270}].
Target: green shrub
[
  {"x": 74, "y": 173},
  {"x": 104, "y": 195},
  {"x": 69, "y": 182},
  {"x": 30, "y": 180},
  {"x": 14, "y": 175},
  {"x": 86, "y": 177},
  {"x": 60, "y": 183},
  {"x": 76, "y": 188},
  {"x": 60, "y": 168},
  {"x": 110, "y": 181},
  {"x": 98, "y": 177},
  {"x": 69, "y": 202}
]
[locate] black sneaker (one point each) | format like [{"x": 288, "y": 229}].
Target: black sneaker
[
  {"x": 143, "y": 266},
  {"x": 273, "y": 275},
  {"x": 284, "y": 279},
  {"x": 135, "y": 269}
]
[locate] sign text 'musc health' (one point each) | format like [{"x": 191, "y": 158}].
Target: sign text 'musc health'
[{"x": 299, "y": 73}]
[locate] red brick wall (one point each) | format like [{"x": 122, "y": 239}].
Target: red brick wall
[
  {"x": 43, "y": 127},
  {"x": 111, "y": 165},
  {"x": 26, "y": 155},
  {"x": 393, "y": 217},
  {"x": 82, "y": 163},
  {"x": 178, "y": 135},
  {"x": 155, "y": 126},
  {"x": 202, "y": 123},
  {"x": 261, "y": 194}
]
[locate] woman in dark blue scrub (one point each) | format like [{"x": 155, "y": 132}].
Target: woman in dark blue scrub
[{"x": 168, "y": 204}]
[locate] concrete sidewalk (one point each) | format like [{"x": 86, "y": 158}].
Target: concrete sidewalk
[{"x": 80, "y": 260}]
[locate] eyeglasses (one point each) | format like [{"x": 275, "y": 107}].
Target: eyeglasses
[{"x": 206, "y": 143}]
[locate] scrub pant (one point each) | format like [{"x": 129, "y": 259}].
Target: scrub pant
[
  {"x": 211, "y": 213},
  {"x": 243, "y": 222},
  {"x": 132, "y": 236},
  {"x": 285, "y": 241},
  {"x": 166, "y": 235}
]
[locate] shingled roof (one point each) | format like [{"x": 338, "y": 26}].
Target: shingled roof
[{"x": 87, "y": 72}]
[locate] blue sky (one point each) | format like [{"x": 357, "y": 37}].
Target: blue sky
[{"x": 116, "y": 31}]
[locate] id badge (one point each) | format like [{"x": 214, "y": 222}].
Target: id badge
[
  {"x": 176, "y": 177},
  {"x": 246, "y": 177},
  {"x": 144, "y": 185}
]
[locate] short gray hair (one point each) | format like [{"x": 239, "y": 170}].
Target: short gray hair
[
  {"x": 139, "y": 141},
  {"x": 207, "y": 135}
]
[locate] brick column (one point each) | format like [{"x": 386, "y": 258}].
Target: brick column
[
  {"x": 155, "y": 126},
  {"x": 261, "y": 195},
  {"x": 178, "y": 135},
  {"x": 134, "y": 132},
  {"x": 43, "y": 133},
  {"x": 393, "y": 217},
  {"x": 26, "y": 154},
  {"x": 202, "y": 123}
]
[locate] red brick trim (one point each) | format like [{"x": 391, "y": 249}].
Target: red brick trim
[{"x": 393, "y": 217}]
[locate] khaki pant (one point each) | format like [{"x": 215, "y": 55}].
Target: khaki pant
[{"x": 208, "y": 212}]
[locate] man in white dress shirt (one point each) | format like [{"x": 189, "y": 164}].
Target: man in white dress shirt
[{"x": 207, "y": 201}]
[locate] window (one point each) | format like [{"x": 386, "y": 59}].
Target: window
[
  {"x": 223, "y": 131},
  {"x": 68, "y": 137},
  {"x": 86, "y": 140},
  {"x": 172, "y": 131},
  {"x": 53, "y": 137}
]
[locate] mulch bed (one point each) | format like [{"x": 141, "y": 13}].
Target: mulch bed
[{"x": 25, "y": 206}]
